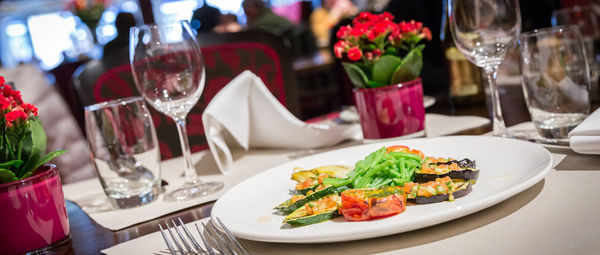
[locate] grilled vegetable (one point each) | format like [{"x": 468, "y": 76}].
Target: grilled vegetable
[
  {"x": 442, "y": 189},
  {"x": 365, "y": 204},
  {"x": 309, "y": 180},
  {"x": 315, "y": 211},
  {"x": 434, "y": 168},
  {"x": 392, "y": 166},
  {"x": 290, "y": 205},
  {"x": 336, "y": 171}
]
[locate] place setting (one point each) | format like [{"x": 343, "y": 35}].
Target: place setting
[{"x": 208, "y": 141}]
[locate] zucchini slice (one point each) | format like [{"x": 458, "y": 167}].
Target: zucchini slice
[
  {"x": 288, "y": 207},
  {"x": 303, "y": 191},
  {"x": 301, "y": 218}
]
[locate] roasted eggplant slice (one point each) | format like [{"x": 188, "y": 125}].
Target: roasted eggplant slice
[
  {"x": 464, "y": 189},
  {"x": 442, "y": 189},
  {"x": 439, "y": 168}
]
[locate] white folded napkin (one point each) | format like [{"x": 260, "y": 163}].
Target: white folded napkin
[
  {"x": 255, "y": 119},
  {"x": 585, "y": 138}
]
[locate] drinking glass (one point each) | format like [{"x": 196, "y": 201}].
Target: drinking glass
[
  {"x": 169, "y": 73},
  {"x": 485, "y": 31},
  {"x": 586, "y": 19},
  {"x": 556, "y": 79},
  {"x": 124, "y": 151}
]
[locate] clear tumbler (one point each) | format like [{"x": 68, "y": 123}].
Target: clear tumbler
[
  {"x": 556, "y": 79},
  {"x": 124, "y": 151}
]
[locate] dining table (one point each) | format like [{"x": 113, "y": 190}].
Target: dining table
[{"x": 557, "y": 215}]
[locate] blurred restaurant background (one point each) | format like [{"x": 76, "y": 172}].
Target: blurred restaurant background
[{"x": 53, "y": 50}]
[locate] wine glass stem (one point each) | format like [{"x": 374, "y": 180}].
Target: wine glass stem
[
  {"x": 499, "y": 129},
  {"x": 190, "y": 171}
]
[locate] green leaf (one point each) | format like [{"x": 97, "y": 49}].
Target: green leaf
[
  {"x": 48, "y": 157},
  {"x": 356, "y": 75},
  {"x": 35, "y": 145},
  {"x": 384, "y": 68},
  {"x": 374, "y": 84},
  {"x": 7, "y": 176},
  {"x": 13, "y": 163},
  {"x": 409, "y": 69}
]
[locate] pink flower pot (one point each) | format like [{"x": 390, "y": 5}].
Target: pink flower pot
[
  {"x": 391, "y": 111},
  {"x": 34, "y": 216}
]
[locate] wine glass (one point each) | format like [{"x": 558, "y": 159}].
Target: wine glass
[
  {"x": 168, "y": 70},
  {"x": 485, "y": 31}
]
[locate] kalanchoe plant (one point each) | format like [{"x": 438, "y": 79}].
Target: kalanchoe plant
[
  {"x": 378, "y": 52},
  {"x": 22, "y": 138}
]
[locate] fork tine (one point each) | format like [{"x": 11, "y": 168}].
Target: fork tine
[
  {"x": 218, "y": 236},
  {"x": 189, "y": 235},
  {"x": 232, "y": 237},
  {"x": 211, "y": 237},
  {"x": 182, "y": 238},
  {"x": 206, "y": 244},
  {"x": 174, "y": 239},
  {"x": 162, "y": 232}
]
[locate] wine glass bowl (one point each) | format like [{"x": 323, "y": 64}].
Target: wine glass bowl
[
  {"x": 485, "y": 31},
  {"x": 168, "y": 71}
]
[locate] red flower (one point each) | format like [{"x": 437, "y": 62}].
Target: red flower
[
  {"x": 339, "y": 48},
  {"x": 354, "y": 54},
  {"x": 410, "y": 27},
  {"x": 342, "y": 32},
  {"x": 376, "y": 52},
  {"x": 4, "y": 103},
  {"x": 14, "y": 115},
  {"x": 386, "y": 16},
  {"x": 426, "y": 33},
  {"x": 363, "y": 17},
  {"x": 2, "y": 80},
  {"x": 357, "y": 31},
  {"x": 30, "y": 109},
  {"x": 378, "y": 29},
  {"x": 14, "y": 96}
]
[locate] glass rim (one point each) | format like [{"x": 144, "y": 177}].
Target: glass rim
[
  {"x": 114, "y": 102},
  {"x": 157, "y": 24},
  {"x": 548, "y": 30}
]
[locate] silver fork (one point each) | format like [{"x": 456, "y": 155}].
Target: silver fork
[{"x": 211, "y": 238}]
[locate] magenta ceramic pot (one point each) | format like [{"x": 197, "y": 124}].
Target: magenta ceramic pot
[
  {"x": 391, "y": 111},
  {"x": 34, "y": 216}
]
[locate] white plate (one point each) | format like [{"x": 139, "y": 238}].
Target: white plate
[{"x": 507, "y": 167}]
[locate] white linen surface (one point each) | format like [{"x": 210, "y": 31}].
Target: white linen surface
[{"x": 585, "y": 138}]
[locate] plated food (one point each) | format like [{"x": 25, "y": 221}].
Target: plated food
[{"x": 378, "y": 186}]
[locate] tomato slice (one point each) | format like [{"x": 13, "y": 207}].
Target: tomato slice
[
  {"x": 358, "y": 205},
  {"x": 354, "y": 207},
  {"x": 387, "y": 206},
  {"x": 402, "y": 148}
]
